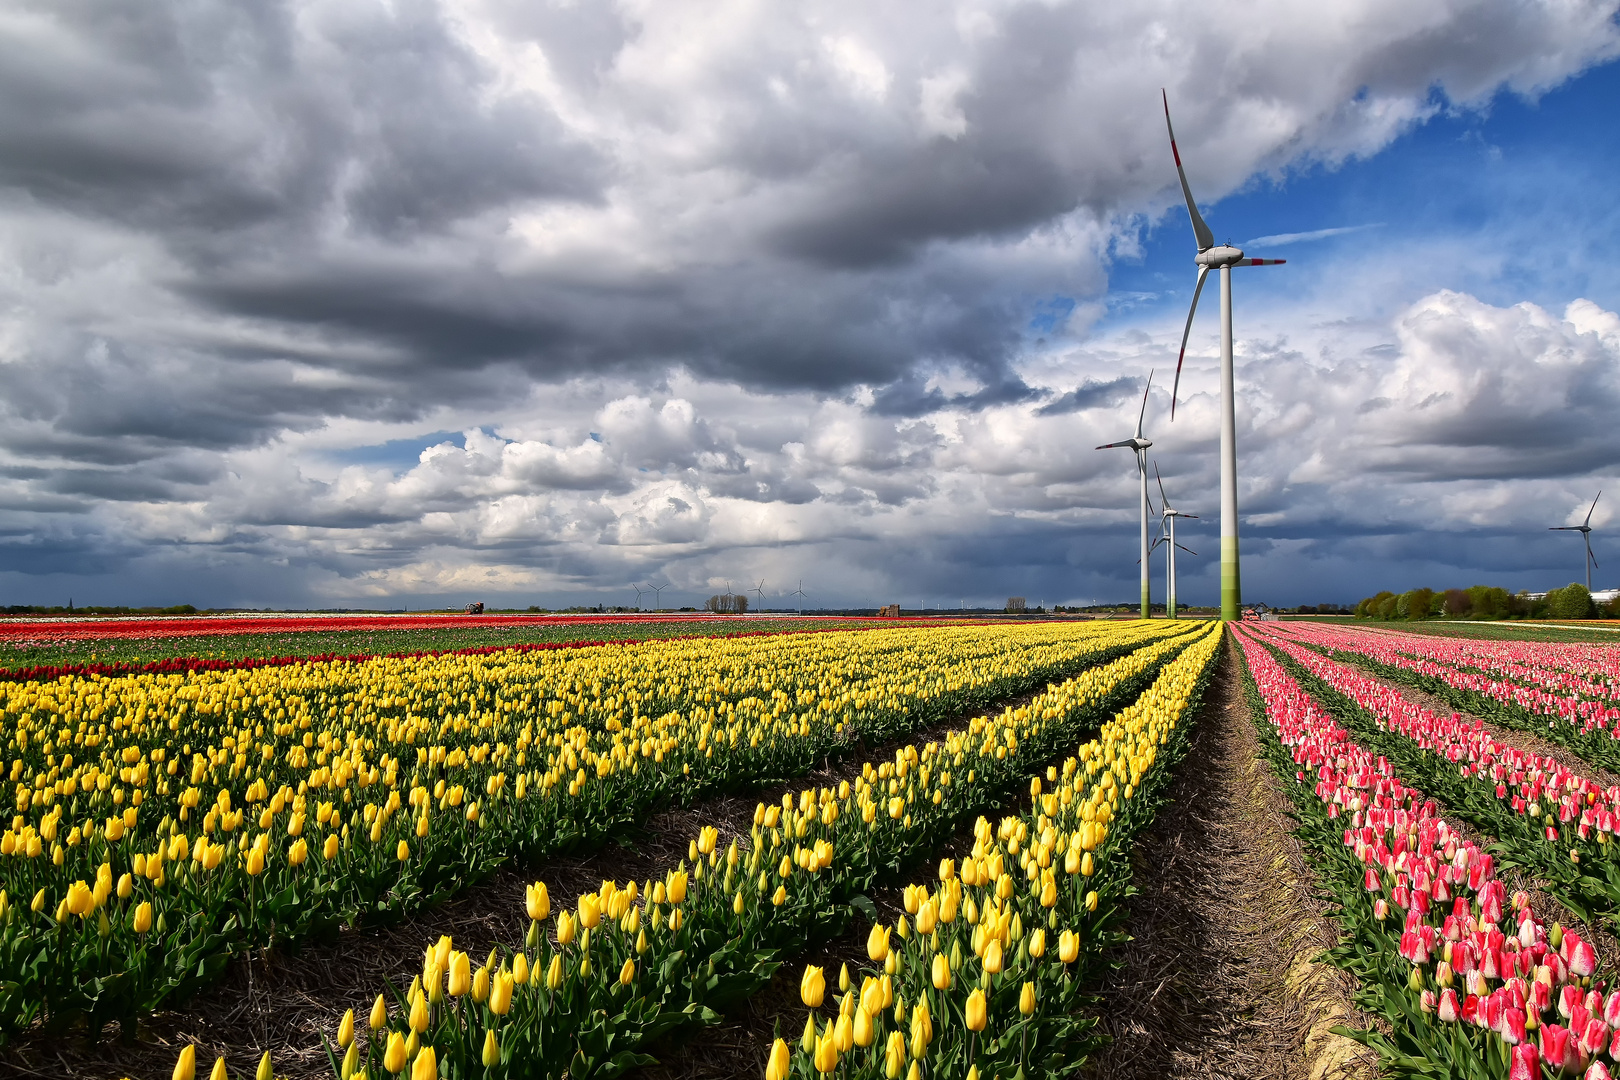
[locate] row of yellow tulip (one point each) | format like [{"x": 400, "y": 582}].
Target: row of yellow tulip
[
  {"x": 984, "y": 973},
  {"x": 629, "y": 963},
  {"x": 163, "y": 821}
]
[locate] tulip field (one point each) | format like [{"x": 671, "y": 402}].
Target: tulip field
[{"x": 997, "y": 786}]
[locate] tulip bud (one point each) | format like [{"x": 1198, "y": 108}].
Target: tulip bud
[
  {"x": 992, "y": 957},
  {"x": 460, "y": 974},
  {"x": 776, "y": 1068},
  {"x": 537, "y": 901},
  {"x": 186, "y": 1067},
  {"x": 807, "y": 1041},
  {"x": 265, "y": 1071},
  {"x": 1026, "y": 999},
  {"x": 1036, "y": 945},
  {"x": 492, "y": 1049},
  {"x": 351, "y": 1062},
  {"x": 554, "y": 972},
  {"x": 843, "y": 977},
  {"x": 346, "y": 1029},
  {"x": 812, "y": 987},
  {"x": 941, "y": 972},
  {"x": 976, "y": 1012},
  {"x": 143, "y": 916},
  {"x": 379, "y": 1014},
  {"x": 426, "y": 1066},
  {"x": 419, "y": 1016},
  {"x": 877, "y": 942},
  {"x": 627, "y": 974},
  {"x": 1068, "y": 946}
]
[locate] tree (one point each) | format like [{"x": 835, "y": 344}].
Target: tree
[
  {"x": 1570, "y": 602},
  {"x": 1457, "y": 603},
  {"x": 1368, "y": 608},
  {"x": 1386, "y": 607},
  {"x": 1417, "y": 603}
]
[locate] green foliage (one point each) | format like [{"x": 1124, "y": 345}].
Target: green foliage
[
  {"x": 1418, "y": 603},
  {"x": 1570, "y": 602}
]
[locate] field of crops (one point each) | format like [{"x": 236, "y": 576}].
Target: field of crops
[{"x": 900, "y": 850}]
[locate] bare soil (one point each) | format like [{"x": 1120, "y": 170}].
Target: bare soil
[{"x": 1222, "y": 978}]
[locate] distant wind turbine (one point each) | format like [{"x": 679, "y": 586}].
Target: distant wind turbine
[
  {"x": 636, "y": 587},
  {"x": 1222, "y": 258},
  {"x": 1585, "y": 529},
  {"x": 1140, "y": 445},
  {"x": 1167, "y": 521},
  {"x": 801, "y": 594},
  {"x": 658, "y": 594},
  {"x": 759, "y": 590}
]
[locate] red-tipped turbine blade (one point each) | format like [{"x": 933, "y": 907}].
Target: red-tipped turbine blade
[
  {"x": 1110, "y": 446},
  {"x": 1143, "y": 413},
  {"x": 1588, "y": 520},
  {"x": 1260, "y": 262},
  {"x": 1203, "y": 272},
  {"x": 1163, "y": 498},
  {"x": 1201, "y": 233},
  {"x": 1187, "y": 549}
]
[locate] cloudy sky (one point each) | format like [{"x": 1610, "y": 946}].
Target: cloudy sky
[{"x": 396, "y": 302}]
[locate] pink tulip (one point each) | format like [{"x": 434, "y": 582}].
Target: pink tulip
[
  {"x": 1595, "y": 1037},
  {"x": 1426, "y": 1002},
  {"x": 1526, "y": 1063},
  {"x": 1512, "y": 1028},
  {"x": 1597, "y": 1071},
  {"x": 1371, "y": 882},
  {"x": 1570, "y": 998},
  {"x": 1448, "y": 1008},
  {"x": 1554, "y": 1045},
  {"x": 1582, "y": 959}
]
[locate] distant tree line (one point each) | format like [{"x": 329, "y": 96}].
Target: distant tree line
[
  {"x": 40, "y": 609},
  {"x": 1486, "y": 602}
]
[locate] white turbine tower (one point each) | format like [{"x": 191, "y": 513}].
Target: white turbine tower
[
  {"x": 1222, "y": 258},
  {"x": 658, "y": 594},
  {"x": 1585, "y": 529},
  {"x": 1167, "y": 522},
  {"x": 801, "y": 594},
  {"x": 1140, "y": 445}
]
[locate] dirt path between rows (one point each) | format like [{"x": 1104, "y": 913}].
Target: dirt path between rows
[{"x": 1221, "y": 979}]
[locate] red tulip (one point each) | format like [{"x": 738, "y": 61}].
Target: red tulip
[
  {"x": 1512, "y": 1027},
  {"x": 1598, "y": 1071},
  {"x": 1448, "y": 1008}
]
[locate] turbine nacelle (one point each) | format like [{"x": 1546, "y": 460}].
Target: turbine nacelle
[{"x": 1219, "y": 256}]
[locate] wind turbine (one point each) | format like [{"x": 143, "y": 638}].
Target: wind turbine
[
  {"x": 1585, "y": 529},
  {"x": 801, "y": 594},
  {"x": 759, "y": 590},
  {"x": 1222, "y": 258},
  {"x": 1167, "y": 522},
  {"x": 658, "y": 594},
  {"x": 1140, "y": 445},
  {"x": 636, "y": 587}
]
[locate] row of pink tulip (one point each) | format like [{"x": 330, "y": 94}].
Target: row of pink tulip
[
  {"x": 1522, "y": 992},
  {"x": 1533, "y": 784},
  {"x": 1515, "y": 673}
]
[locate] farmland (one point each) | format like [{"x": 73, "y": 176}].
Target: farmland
[{"x": 899, "y": 850}]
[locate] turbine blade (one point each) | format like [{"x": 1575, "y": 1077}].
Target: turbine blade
[
  {"x": 1187, "y": 549},
  {"x": 1164, "y": 499},
  {"x": 1259, "y": 262},
  {"x": 1193, "y": 516},
  {"x": 1140, "y": 416},
  {"x": 1550, "y": 528},
  {"x": 1112, "y": 445},
  {"x": 1588, "y": 520},
  {"x": 1201, "y": 233},
  {"x": 1203, "y": 272}
]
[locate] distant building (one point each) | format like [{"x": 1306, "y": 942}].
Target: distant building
[{"x": 889, "y": 611}]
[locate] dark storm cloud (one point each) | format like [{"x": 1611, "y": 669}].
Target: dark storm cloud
[{"x": 1093, "y": 394}]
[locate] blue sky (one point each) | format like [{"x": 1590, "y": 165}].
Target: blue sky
[{"x": 377, "y": 305}]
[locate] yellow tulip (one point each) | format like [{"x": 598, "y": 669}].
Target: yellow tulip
[
  {"x": 941, "y": 972},
  {"x": 922, "y": 1029},
  {"x": 864, "y": 1030},
  {"x": 265, "y": 1071},
  {"x": 554, "y": 973},
  {"x": 492, "y": 1049},
  {"x": 351, "y": 1062},
  {"x": 1068, "y": 946},
  {"x": 346, "y": 1029},
  {"x": 826, "y": 1056},
  {"x": 590, "y": 910},
  {"x": 402, "y": 853},
  {"x": 460, "y": 974},
  {"x": 843, "y": 977},
  {"x": 877, "y": 942},
  {"x": 538, "y": 901},
  {"x": 1026, "y": 999},
  {"x": 975, "y": 1011},
  {"x": 708, "y": 837},
  {"x": 992, "y": 957},
  {"x": 186, "y": 1067},
  {"x": 79, "y": 899},
  {"x": 330, "y": 849},
  {"x": 394, "y": 1055},
  {"x": 1036, "y": 946},
  {"x": 143, "y": 916},
  {"x": 426, "y": 1065},
  {"x": 1091, "y": 900},
  {"x": 500, "y": 993},
  {"x": 419, "y": 1016},
  {"x": 565, "y": 928},
  {"x": 627, "y": 974},
  {"x": 776, "y": 1067},
  {"x": 894, "y": 1055},
  {"x": 844, "y": 1034},
  {"x": 379, "y": 1015},
  {"x": 812, "y": 987},
  {"x": 676, "y": 888},
  {"x": 520, "y": 969}
]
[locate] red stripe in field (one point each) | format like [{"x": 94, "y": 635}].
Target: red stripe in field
[{"x": 87, "y": 629}]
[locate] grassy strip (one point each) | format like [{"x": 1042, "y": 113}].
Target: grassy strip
[{"x": 709, "y": 935}]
